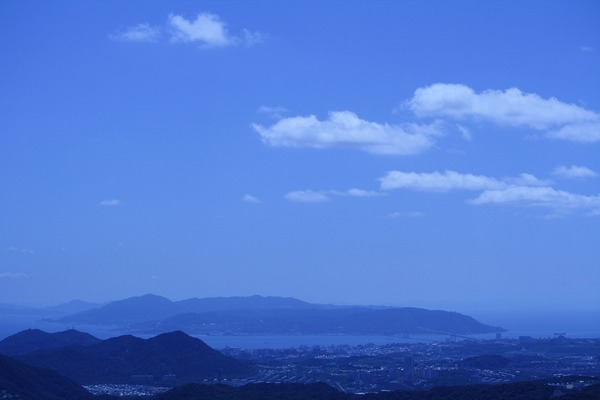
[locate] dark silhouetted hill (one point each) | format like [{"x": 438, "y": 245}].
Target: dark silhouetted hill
[
  {"x": 24, "y": 381},
  {"x": 118, "y": 359},
  {"x": 31, "y": 340}
]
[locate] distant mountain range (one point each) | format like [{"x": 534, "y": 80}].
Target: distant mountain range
[
  {"x": 173, "y": 356},
  {"x": 257, "y": 315}
]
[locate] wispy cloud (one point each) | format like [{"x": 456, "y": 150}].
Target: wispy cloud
[
  {"x": 524, "y": 190},
  {"x": 465, "y": 133},
  {"x": 207, "y": 30},
  {"x": 250, "y": 38},
  {"x": 573, "y": 172},
  {"x": 19, "y": 250},
  {"x": 248, "y": 198},
  {"x": 438, "y": 181},
  {"x": 526, "y": 179},
  {"x": 306, "y": 196},
  {"x": 314, "y": 196},
  {"x": 109, "y": 202},
  {"x": 557, "y": 200},
  {"x": 410, "y": 214},
  {"x": 273, "y": 111},
  {"x": 511, "y": 107},
  {"x": 357, "y": 193},
  {"x": 13, "y": 275},
  {"x": 581, "y": 132},
  {"x": 344, "y": 129},
  {"x": 138, "y": 33},
  {"x": 586, "y": 49}
]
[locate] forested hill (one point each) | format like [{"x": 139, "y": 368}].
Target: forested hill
[
  {"x": 117, "y": 359},
  {"x": 31, "y": 340}
]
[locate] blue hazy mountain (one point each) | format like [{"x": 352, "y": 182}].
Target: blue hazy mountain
[
  {"x": 71, "y": 307},
  {"x": 151, "y": 307},
  {"x": 257, "y": 315}
]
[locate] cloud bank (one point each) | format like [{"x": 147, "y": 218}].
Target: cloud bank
[{"x": 525, "y": 190}]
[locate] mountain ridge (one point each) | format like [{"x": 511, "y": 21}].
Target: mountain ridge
[
  {"x": 31, "y": 340},
  {"x": 259, "y": 315}
]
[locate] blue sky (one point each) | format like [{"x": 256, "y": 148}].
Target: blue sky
[{"x": 435, "y": 154}]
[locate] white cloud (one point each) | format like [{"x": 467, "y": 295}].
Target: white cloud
[
  {"x": 586, "y": 49},
  {"x": 306, "y": 196},
  {"x": 13, "y": 275},
  {"x": 343, "y": 129},
  {"x": 548, "y": 197},
  {"x": 248, "y": 198},
  {"x": 511, "y": 107},
  {"x": 573, "y": 172},
  {"x": 109, "y": 203},
  {"x": 524, "y": 190},
  {"x": 438, "y": 181},
  {"x": 139, "y": 33},
  {"x": 207, "y": 29}
]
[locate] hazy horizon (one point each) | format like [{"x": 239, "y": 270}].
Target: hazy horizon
[
  {"x": 480, "y": 311},
  {"x": 516, "y": 322},
  {"x": 431, "y": 154}
]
